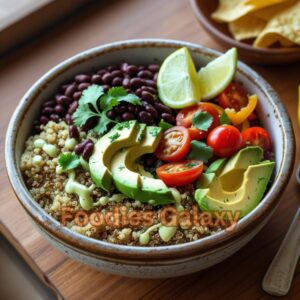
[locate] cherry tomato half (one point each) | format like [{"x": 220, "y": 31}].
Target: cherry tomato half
[
  {"x": 185, "y": 118},
  {"x": 257, "y": 136},
  {"x": 225, "y": 140},
  {"x": 234, "y": 96},
  {"x": 180, "y": 173},
  {"x": 174, "y": 145}
]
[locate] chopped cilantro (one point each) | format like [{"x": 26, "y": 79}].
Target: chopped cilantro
[
  {"x": 164, "y": 125},
  {"x": 202, "y": 120},
  {"x": 94, "y": 97},
  {"x": 200, "y": 151},
  {"x": 155, "y": 131},
  {"x": 114, "y": 136},
  {"x": 224, "y": 119},
  {"x": 68, "y": 161}
]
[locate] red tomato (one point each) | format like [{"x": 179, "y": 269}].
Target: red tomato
[
  {"x": 180, "y": 173},
  {"x": 257, "y": 136},
  {"x": 185, "y": 117},
  {"x": 225, "y": 140},
  {"x": 234, "y": 96},
  {"x": 174, "y": 145}
]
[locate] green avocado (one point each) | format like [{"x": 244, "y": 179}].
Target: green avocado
[
  {"x": 222, "y": 193},
  {"x": 122, "y": 135},
  {"x": 130, "y": 182}
]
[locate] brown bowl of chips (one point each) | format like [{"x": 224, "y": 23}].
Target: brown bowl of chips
[{"x": 265, "y": 32}]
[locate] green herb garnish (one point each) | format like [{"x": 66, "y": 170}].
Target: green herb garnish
[
  {"x": 192, "y": 164},
  {"x": 68, "y": 161},
  {"x": 155, "y": 131},
  {"x": 164, "y": 125},
  {"x": 95, "y": 103},
  {"x": 114, "y": 136},
  {"x": 202, "y": 120},
  {"x": 224, "y": 119},
  {"x": 200, "y": 151}
]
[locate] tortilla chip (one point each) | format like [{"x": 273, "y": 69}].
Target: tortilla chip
[
  {"x": 283, "y": 28},
  {"x": 231, "y": 10},
  {"x": 246, "y": 27}
]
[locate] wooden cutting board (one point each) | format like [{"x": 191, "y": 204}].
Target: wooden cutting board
[{"x": 238, "y": 277}]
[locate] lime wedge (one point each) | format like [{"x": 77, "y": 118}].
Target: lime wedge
[
  {"x": 217, "y": 74},
  {"x": 177, "y": 82}
]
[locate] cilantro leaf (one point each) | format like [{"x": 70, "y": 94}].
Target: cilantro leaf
[
  {"x": 68, "y": 161},
  {"x": 202, "y": 120},
  {"x": 102, "y": 125},
  {"x": 114, "y": 136},
  {"x": 91, "y": 95},
  {"x": 164, "y": 125},
  {"x": 82, "y": 114},
  {"x": 200, "y": 151},
  {"x": 224, "y": 119}
]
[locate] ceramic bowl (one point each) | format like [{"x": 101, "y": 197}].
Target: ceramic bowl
[
  {"x": 148, "y": 262},
  {"x": 265, "y": 56}
]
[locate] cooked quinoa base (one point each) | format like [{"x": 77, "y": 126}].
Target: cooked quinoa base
[{"x": 48, "y": 190}]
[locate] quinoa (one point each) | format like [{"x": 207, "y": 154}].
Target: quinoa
[{"x": 47, "y": 188}]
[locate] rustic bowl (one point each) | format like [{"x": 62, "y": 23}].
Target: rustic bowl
[
  {"x": 265, "y": 56},
  {"x": 148, "y": 262}
]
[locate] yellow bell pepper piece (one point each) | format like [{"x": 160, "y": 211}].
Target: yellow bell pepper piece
[{"x": 238, "y": 117}]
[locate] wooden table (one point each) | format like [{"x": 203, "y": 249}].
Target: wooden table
[{"x": 238, "y": 277}]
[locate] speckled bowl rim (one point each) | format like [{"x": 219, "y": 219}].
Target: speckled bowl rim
[{"x": 134, "y": 254}]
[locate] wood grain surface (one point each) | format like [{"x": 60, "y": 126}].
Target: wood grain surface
[{"x": 240, "y": 276}]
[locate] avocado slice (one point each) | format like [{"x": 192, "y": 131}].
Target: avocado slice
[
  {"x": 122, "y": 135},
  {"x": 216, "y": 166},
  {"x": 130, "y": 182},
  {"x": 245, "y": 199}
]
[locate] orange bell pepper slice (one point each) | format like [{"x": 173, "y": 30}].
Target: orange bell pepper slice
[{"x": 238, "y": 117}]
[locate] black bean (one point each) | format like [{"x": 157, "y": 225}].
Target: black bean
[
  {"x": 150, "y": 109},
  {"x": 83, "y": 86},
  {"x": 131, "y": 70},
  {"x": 155, "y": 76},
  {"x": 117, "y": 81},
  {"x": 70, "y": 90},
  {"x": 69, "y": 119},
  {"x": 82, "y": 78},
  {"x": 106, "y": 87},
  {"x": 96, "y": 78},
  {"x": 73, "y": 132},
  {"x": 77, "y": 95},
  {"x": 136, "y": 82},
  {"x": 168, "y": 117},
  {"x": 141, "y": 68},
  {"x": 59, "y": 109},
  {"x": 120, "y": 109},
  {"x": 44, "y": 120},
  {"x": 146, "y": 96},
  {"x": 73, "y": 107},
  {"x": 50, "y": 103},
  {"x": 87, "y": 151},
  {"x": 47, "y": 111},
  {"x": 131, "y": 107},
  {"x": 101, "y": 72},
  {"x": 111, "y": 114},
  {"x": 145, "y": 74},
  {"x": 90, "y": 123},
  {"x": 150, "y": 160},
  {"x": 149, "y": 89},
  {"x": 63, "y": 100},
  {"x": 146, "y": 118},
  {"x": 138, "y": 92},
  {"x": 161, "y": 108},
  {"x": 107, "y": 78},
  {"x": 126, "y": 83},
  {"x": 154, "y": 67},
  {"x": 64, "y": 87},
  {"x": 80, "y": 147},
  {"x": 54, "y": 117},
  {"x": 116, "y": 73},
  {"x": 124, "y": 67},
  {"x": 128, "y": 116},
  {"x": 112, "y": 68},
  {"x": 150, "y": 83}
]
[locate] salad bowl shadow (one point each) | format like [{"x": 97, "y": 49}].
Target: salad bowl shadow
[{"x": 160, "y": 261}]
